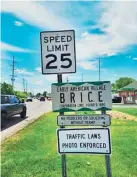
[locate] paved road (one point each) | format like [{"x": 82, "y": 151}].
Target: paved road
[{"x": 34, "y": 110}]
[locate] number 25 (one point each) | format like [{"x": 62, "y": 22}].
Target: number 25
[{"x": 63, "y": 58}]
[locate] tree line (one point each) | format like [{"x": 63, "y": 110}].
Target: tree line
[
  {"x": 122, "y": 82},
  {"x": 8, "y": 89}
]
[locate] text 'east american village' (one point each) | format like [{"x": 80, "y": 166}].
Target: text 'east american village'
[{"x": 81, "y": 89}]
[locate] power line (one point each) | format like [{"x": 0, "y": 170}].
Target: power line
[{"x": 13, "y": 70}]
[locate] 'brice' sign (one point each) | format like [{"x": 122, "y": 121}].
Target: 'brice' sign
[{"x": 81, "y": 96}]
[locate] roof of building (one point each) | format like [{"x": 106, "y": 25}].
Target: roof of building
[{"x": 130, "y": 87}]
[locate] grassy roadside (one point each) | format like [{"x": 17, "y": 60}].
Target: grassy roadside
[
  {"x": 130, "y": 111},
  {"x": 33, "y": 153}
]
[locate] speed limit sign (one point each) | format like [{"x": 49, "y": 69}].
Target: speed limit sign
[{"x": 58, "y": 52}]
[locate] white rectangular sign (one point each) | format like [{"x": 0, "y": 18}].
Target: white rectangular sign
[
  {"x": 86, "y": 120},
  {"x": 81, "y": 96},
  {"x": 94, "y": 141},
  {"x": 58, "y": 52}
]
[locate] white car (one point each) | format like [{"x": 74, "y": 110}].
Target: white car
[{"x": 29, "y": 99}]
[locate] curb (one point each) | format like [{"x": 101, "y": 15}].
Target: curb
[{"x": 16, "y": 128}]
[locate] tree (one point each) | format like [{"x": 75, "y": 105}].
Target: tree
[
  {"x": 7, "y": 89},
  {"x": 123, "y": 81},
  {"x": 38, "y": 95},
  {"x": 113, "y": 86},
  {"x": 30, "y": 94},
  {"x": 21, "y": 94},
  {"x": 44, "y": 93}
]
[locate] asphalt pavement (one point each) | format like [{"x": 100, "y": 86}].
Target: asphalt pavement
[{"x": 34, "y": 110}]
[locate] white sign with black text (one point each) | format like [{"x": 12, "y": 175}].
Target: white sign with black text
[
  {"x": 81, "y": 96},
  {"x": 58, "y": 52},
  {"x": 86, "y": 140},
  {"x": 86, "y": 120}
]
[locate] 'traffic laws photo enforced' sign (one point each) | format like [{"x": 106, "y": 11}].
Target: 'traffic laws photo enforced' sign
[
  {"x": 58, "y": 52},
  {"x": 86, "y": 140},
  {"x": 81, "y": 96}
]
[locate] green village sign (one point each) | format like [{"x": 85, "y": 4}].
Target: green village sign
[{"x": 81, "y": 96}]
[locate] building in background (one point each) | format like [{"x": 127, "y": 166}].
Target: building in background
[{"x": 129, "y": 93}]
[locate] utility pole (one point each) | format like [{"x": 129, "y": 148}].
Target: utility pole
[
  {"x": 12, "y": 75},
  {"x": 23, "y": 84},
  {"x": 67, "y": 80},
  {"x": 99, "y": 68},
  {"x": 82, "y": 77},
  {"x": 26, "y": 87}
]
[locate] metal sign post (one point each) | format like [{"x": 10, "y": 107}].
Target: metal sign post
[
  {"x": 107, "y": 160},
  {"x": 63, "y": 156}
]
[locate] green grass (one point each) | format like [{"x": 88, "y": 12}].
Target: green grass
[
  {"x": 33, "y": 152},
  {"x": 84, "y": 112},
  {"x": 130, "y": 111}
]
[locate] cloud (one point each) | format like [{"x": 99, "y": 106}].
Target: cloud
[
  {"x": 117, "y": 23},
  {"x": 87, "y": 65},
  {"x": 17, "y": 23},
  {"x": 84, "y": 34},
  {"x": 51, "y": 78},
  {"x": 5, "y": 56},
  {"x": 129, "y": 56},
  {"x": 7, "y": 47},
  {"x": 24, "y": 72},
  {"x": 38, "y": 69},
  {"x": 134, "y": 58},
  {"x": 37, "y": 14},
  {"x": 119, "y": 27},
  {"x": 39, "y": 82}
]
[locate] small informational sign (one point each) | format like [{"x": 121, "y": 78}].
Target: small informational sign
[
  {"x": 85, "y": 120},
  {"x": 58, "y": 52},
  {"x": 81, "y": 96},
  {"x": 86, "y": 140}
]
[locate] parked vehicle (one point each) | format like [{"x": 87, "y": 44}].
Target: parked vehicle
[
  {"x": 10, "y": 106},
  {"x": 116, "y": 99},
  {"x": 29, "y": 99},
  {"x": 42, "y": 98},
  {"x": 49, "y": 98}
]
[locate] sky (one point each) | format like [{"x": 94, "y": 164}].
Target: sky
[{"x": 103, "y": 29}]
